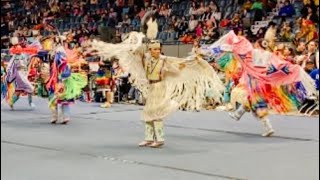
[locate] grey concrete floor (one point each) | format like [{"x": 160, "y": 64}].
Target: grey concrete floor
[{"x": 101, "y": 144}]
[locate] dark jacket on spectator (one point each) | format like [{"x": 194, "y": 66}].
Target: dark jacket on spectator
[
  {"x": 287, "y": 11},
  {"x": 314, "y": 18},
  {"x": 311, "y": 63}
]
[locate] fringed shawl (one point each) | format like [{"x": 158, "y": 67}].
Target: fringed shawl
[{"x": 267, "y": 78}]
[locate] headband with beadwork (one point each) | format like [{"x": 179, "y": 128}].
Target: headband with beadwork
[{"x": 154, "y": 44}]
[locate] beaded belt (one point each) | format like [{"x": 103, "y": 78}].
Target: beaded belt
[{"x": 154, "y": 81}]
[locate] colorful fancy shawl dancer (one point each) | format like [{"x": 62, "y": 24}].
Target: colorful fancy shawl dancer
[
  {"x": 268, "y": 81},
  {"x": 63, "y": 85},
  {"x": 3, "y": 86},
  {"x": 16, "y": 79}
]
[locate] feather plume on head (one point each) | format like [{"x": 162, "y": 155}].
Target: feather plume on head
[{"x": 149, "y": 25}]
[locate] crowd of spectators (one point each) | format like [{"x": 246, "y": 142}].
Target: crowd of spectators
[{"x": 184, "y": 20}]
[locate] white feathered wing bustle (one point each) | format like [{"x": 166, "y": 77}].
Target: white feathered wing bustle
[{"x": 188, "y": 87}]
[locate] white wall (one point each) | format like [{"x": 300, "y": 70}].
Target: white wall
[{"x": 177, "y": 50}]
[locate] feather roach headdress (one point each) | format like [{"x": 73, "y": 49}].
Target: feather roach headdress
[{"x": 149, "y": 25}]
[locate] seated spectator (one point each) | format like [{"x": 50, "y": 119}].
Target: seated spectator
[
  {"x": 26, "y": 32},
  {"x": 210, "y": 31},
  {"x": 257, "y": 9},
  {"x": 182, "y": 25},
  {"x": 286, "y": 33},
  {"x": 121, "y": 79},
  {"x": 126, "y": 23},
  {"x": 120, "y": 3},
  {"x": 112, "y": 13},
  {"x": 112, "y": 21},
  {"x": 288, "y": 54},
  {"x": 11, "y": 25},
  {"x": 192, "y": 23},
  {"x": 147, "y": 3},
  {"x": 134, "y": 95},
  {"x": 311, "y": 15},
  {"x": 213, "y": 6},
  {"x": 202, "y": 9},
  {"x": 300, "y": 52},
  {"x": 164, "y": 11},
  {"x": 206, "y": 15},
  {"x": 309, "y": 63},
  {"x": 94, "y": 2},
  {"x": 142, "y": 12},
  {"x": 308, "y": 31},
  {"x": 7, "y": 5},
  {"x": 173, "y": 24},
  {"x": 301, "y": 48},
  {"x": 136, "y": 23},
  {"x": 131, "y": 2},
  {"x": 199, "y": 30},
  {"x": 260, "y": 34},
  {"x": 55, "y": 8},
  {"x": 287, "y": 10},
  {"x": 216, "y": 14},
  {"x": 236, "y": 24},
  {"x": 247, "y": 5},
  {"x": 18, "y": 32},
  {"x": 193, "y": 9}
]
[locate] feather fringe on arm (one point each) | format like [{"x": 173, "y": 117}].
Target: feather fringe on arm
[{"x": 188, "y": 87}]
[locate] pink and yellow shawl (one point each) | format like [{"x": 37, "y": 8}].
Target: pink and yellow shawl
[{"x": 268, "y": 80}]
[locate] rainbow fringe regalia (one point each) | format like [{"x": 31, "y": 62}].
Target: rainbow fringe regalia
[
  {"x": 3, "y": 86},
  {"x": 16, "y": 78},
  {"x": 232, "y": 70},
  {"x": 266, "y": 81},
  {"x": 63, "y": 85}
]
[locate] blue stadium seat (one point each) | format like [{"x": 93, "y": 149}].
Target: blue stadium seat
[
  {"x": 125, "y": 10},
  {"x": 222, "y": 3},
  {"x": 176, "y": 36},
  {"x": 77, "y": 19},
  {"x": 61, "y": 26},
  {"x": 175, "y": 7},
  {"x": 158, "y": 35},
  {"x": 183, "y": 6},
  {"x": 81, "y": 19},
  {"x": 164, "y": 36},
  {"x": 72, "y": 19},
  {"x": 90, "y": 24},
  {"x": 77, "y": 25},
  {"x": 186, "y": 12},
  {"x": 171, "y": 36},
  {"x": 67, "y": 26}
]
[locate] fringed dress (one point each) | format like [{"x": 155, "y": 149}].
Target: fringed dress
[
  {"x": 63, "y": 86},
  {"x": 176, "y": 83}
]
